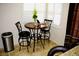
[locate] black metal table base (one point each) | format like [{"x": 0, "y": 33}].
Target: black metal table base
[{"x": 36, "y": 36}]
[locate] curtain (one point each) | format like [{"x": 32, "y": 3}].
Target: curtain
[{"x": 75, "y": 22}]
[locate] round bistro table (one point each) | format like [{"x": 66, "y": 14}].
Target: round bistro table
[{"x": 35, "y": 26}]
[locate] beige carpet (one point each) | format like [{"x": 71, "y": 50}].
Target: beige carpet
[{"x": 39, "y": 50}]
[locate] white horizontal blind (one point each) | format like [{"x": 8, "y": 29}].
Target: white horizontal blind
[
  {"x": 40, "y": 7},
  {"x": 28, "y": 6},
  {"x": 41, "y": 11},
  {"x": 53, "y": 12}
]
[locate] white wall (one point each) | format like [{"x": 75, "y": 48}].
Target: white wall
[
  {"x": 58, "y": 32},
  {"x": 9, "y": 14}
]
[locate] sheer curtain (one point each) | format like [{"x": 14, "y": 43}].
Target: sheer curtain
[
  {"x": 54, "y": 12},
  {"x": 50, "y": 11},
  {"x": 29, "y": 8}
]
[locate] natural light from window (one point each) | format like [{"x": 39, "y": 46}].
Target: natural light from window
[{"x": 50, "y": 11}]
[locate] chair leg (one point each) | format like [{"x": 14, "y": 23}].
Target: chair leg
[
  {"x": 20, "y": 48},
  {"x": 42, "y": 43},
  {"x": 37, "y": 40},
  {"x": 19, "y": 44},
  {"x": 27, "y": 49},
  {"x": 44, "y": 38},
  {"x": 28, "y": 43},
  {"x": 49, "y": 38},
  {"x": 18, "y": 39}
]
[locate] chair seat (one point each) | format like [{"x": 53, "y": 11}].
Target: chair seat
[
  {"x": 24, "y": 34},
  {"x": 24, "y": 43},
  {"x": 44, "y": 30}
]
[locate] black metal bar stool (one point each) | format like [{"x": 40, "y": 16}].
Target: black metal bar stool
[{"x": 23, "y": 36}]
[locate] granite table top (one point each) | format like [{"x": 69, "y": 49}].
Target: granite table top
[{"x": 72, "y": 52}]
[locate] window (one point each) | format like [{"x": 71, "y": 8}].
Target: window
[
  {"x": 40, "y": 7},
  {"x": 44, "y": 10},
  {"x": 40, "y": 11},
  {"x": 54, "y": 12}
]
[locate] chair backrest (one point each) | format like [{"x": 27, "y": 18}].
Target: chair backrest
[
  {"x": 48, "y": 22},
  {"x": 38, "y": 21},
  {"x": 18, "y": 25}
]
